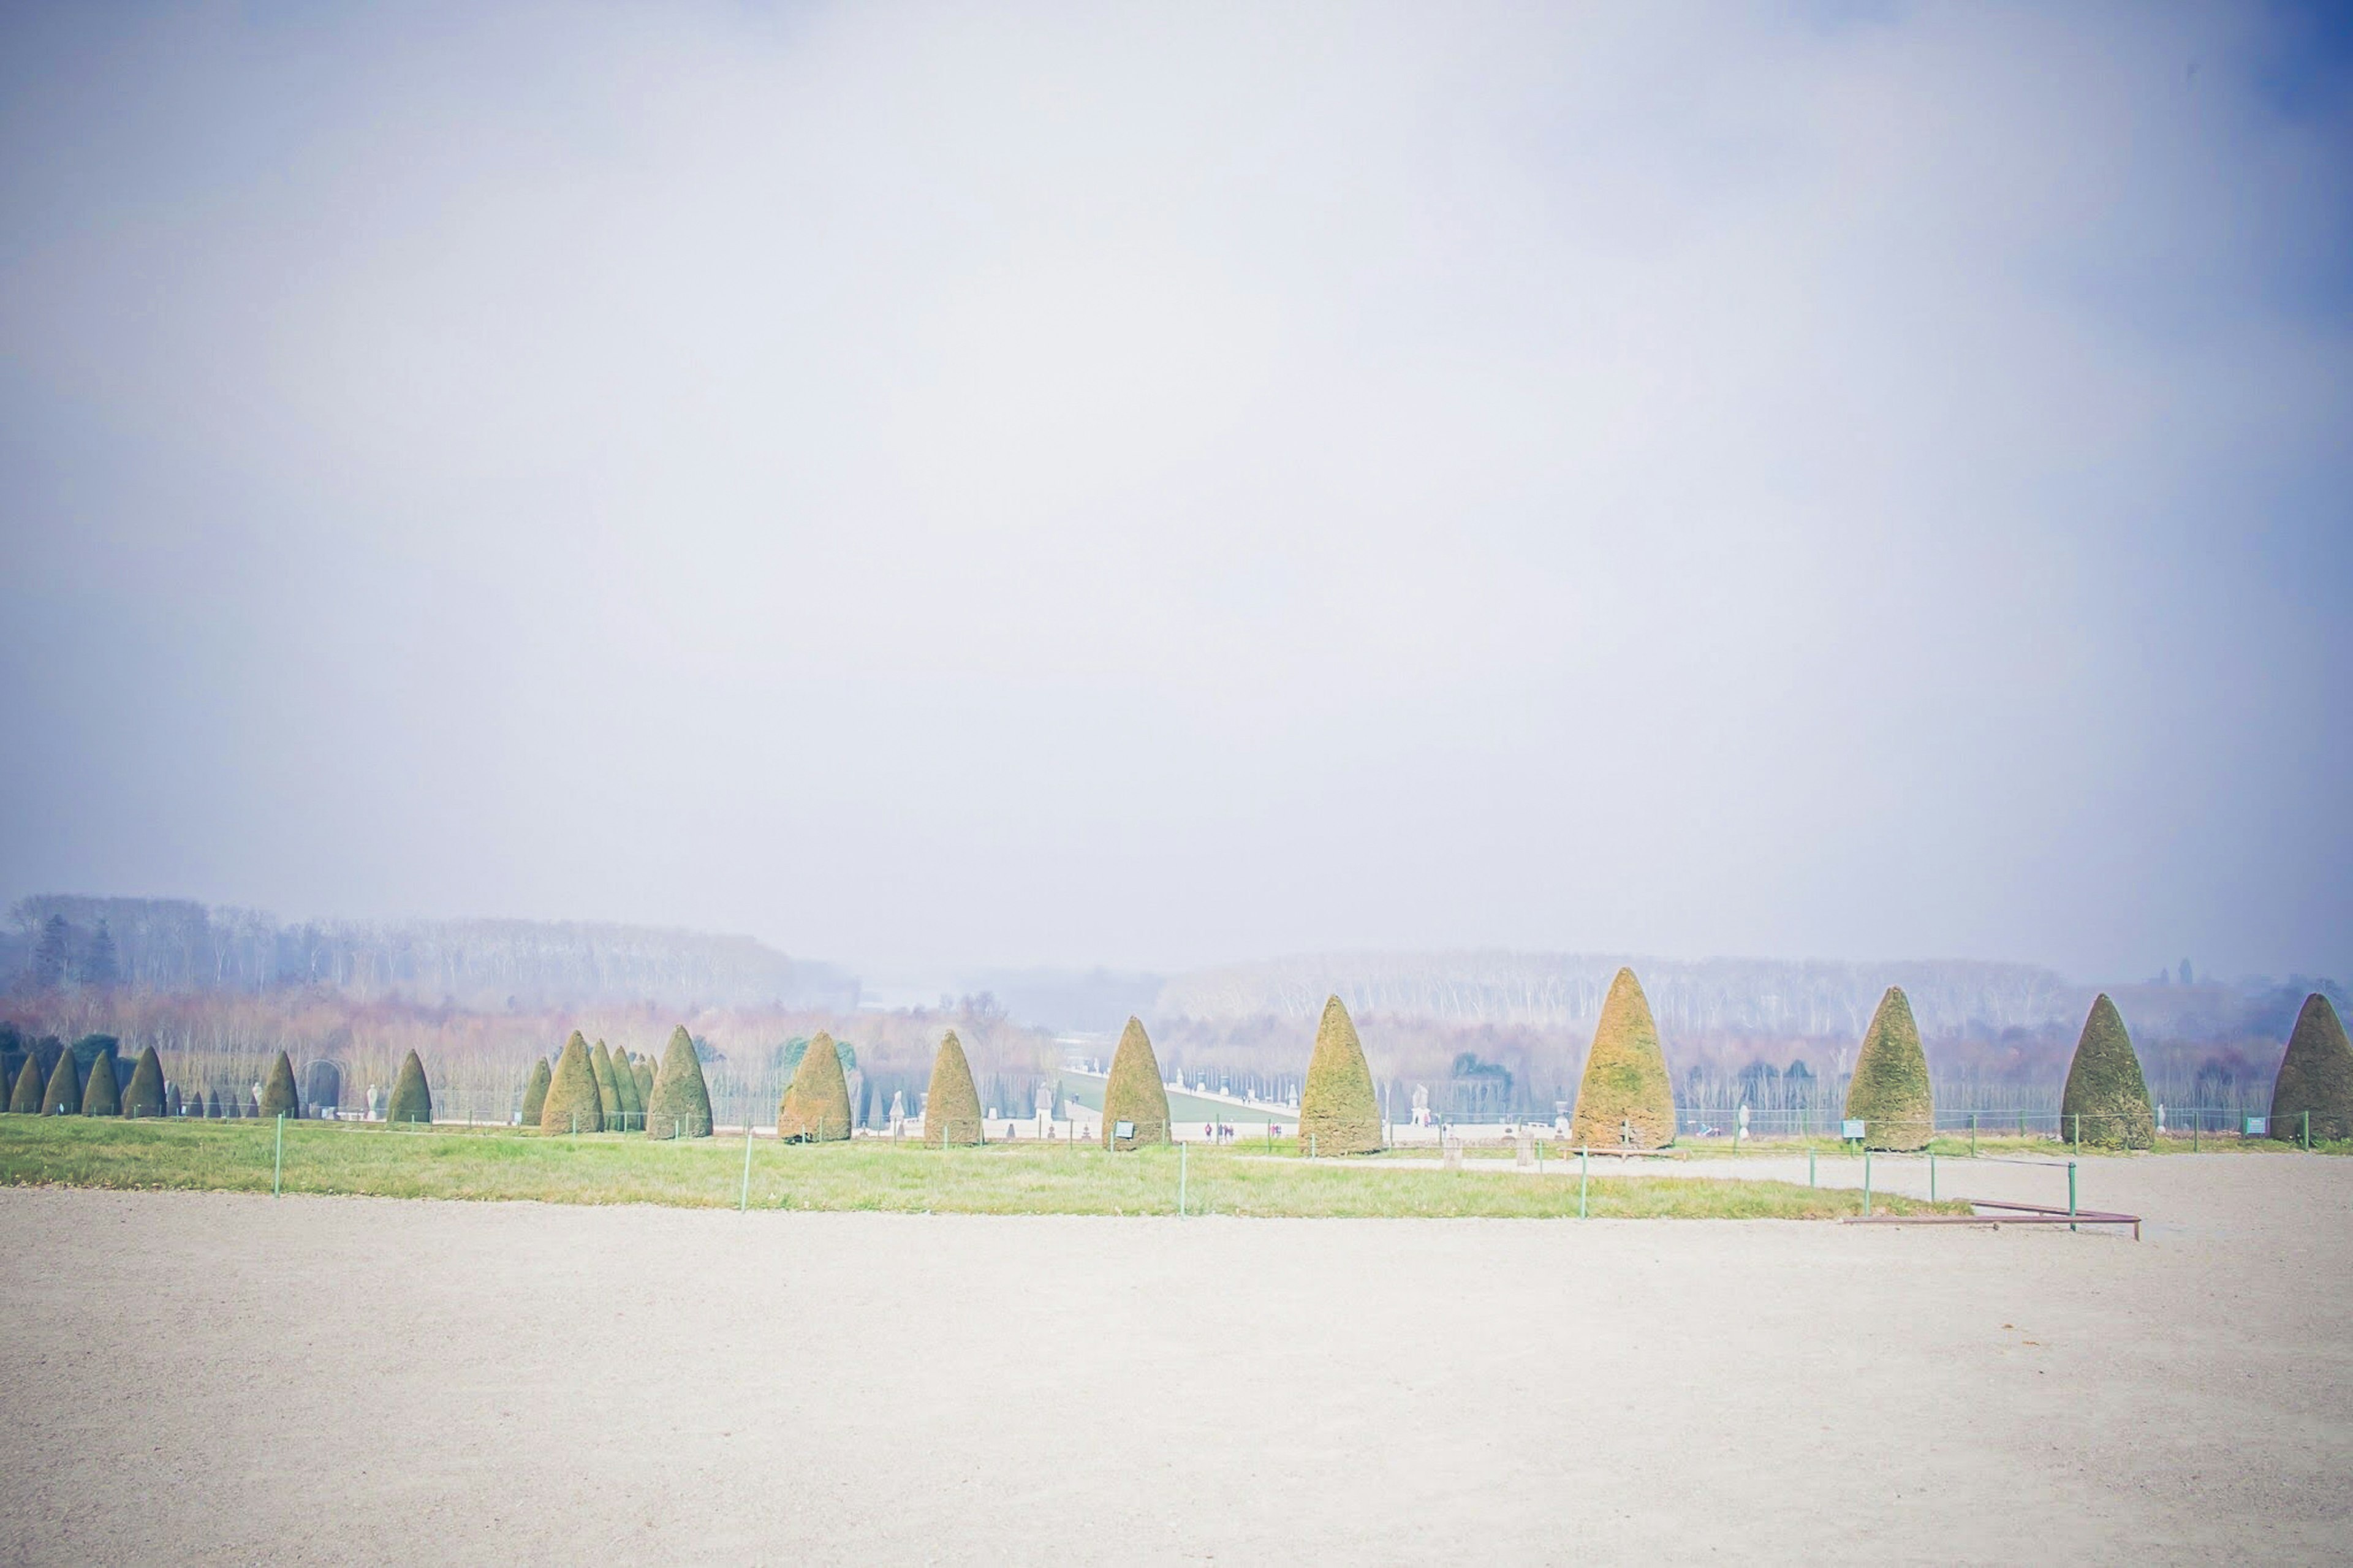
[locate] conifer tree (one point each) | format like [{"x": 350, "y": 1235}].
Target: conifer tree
[
  {"x": 815, "y": 1107},
  {"x": 534, "y": 1093},
  {"x": 412, "y": 1098},
  {"x": 625, "y": 1089},
  {"x": 277, "y": 1096},
  {"x": 680, "y": 1106},
  {"x": 573, "y": 1104},
  {"x": 1626, "y": 1098},
  {"x": 608, "y": 1093},
  {"x": 2106, "y": 1099},
  {"x": 102, "y": 1096},
  {"x": 644, "y": 1070},
  {"x": 952, "y": 1106},
  {"x": 213, "y": 1104},
  {"x": 1134, "y": 1093},
  {"x": 63, "y": 1095},
  {"x": 26, "y": 1098},
  {"x": 1338, "y": 1112},
  {"x": 2315, "y": 1076},
  {"x": 146, "y": 1096},
  {"x": 1890, "y": 1092}
]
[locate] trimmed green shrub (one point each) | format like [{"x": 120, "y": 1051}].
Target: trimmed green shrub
[
  {"x": 573, "y": 1103},
  {"x": 680, "y": 1106},
  {"x": 625, "y": 1089},
  {"x": 608, "y": 1093},
  {"x": 277, "y": 1096},
  {"x": 2315, "y": 1076},
  {"x": 534, "y": 1093},
  {"x": 1338, "y": 1112},
  {"x": 412, "y": 1097},
  {"x": 2106, "y": 1099},
  {"x": 1626, "y": 1099},
  {"x": 213, "y": 1110},
  {"x": 952, "y": 1106},
  {"x": 1889, "y": 1093},
  {"x": 145, "y": 1097},
  {"x": 26, "y": 1100},
  {"x": 815, "y": 1107},
  {"x": 102, "y": 1096},
  {"x": 644, "y": 1070},
  {"x": 1135, "y": 1092}
]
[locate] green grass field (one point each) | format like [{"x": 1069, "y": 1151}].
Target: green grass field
[{"x": 1006, "y": 1179}]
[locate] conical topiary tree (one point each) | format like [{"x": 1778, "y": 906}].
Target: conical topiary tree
[
  {"x": 412, "y": 1098},
  {"x": 644, "y": 1070},
  {"x": 534, "y": 1093},
  {"x": 26, "y": 1098},
  {"x": 816, "y": 1106},
  {"x": 680, "y": 1106},
  {"x": 608, "y": 1093},
  {"x": 213, "y": 1104},
  {"x": 2315, "y": 1076},
  {"x": 102, "y": 1096},
  {"x": 277, "y": 1096},
  {"x": 625, "y": 1089},
  {"x": 1135, "y": 1093},
  {"x": 1338, "y": 1112},
  {"x": 1889, "y": 1093},
  {"x": 1626, "y": 1099},
  {"x": 952, "y": 1106},
  {"x": 2106, "y": 1099},
  {"x": 145, "y": 1097},
  {"x": 573, "y": 1103}
]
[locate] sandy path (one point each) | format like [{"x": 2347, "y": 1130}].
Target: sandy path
[{"x": 214, "y": 1378}]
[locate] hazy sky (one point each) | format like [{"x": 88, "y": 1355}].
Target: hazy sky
[{"x": 1152, "y": 486}]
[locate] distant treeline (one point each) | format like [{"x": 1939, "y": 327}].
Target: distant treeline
[{"x": 56, "y": 942}]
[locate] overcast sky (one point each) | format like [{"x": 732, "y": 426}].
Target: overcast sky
[{"x": 1163, "y": 485}]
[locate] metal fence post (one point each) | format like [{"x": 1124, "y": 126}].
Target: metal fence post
[
  {"x": 1866, "y": 1179},
  {"x": 2071, "y": 1194},
  {"x": 1932, "y": 1178},
  {"x": 1810, "y": 1167},
  {"x": 2079, "y": 1131},
  {"x": 277, "y": 1170},
  {"x": 2307, "y": 1131},
  {"x": 1973, "y": 1134}
]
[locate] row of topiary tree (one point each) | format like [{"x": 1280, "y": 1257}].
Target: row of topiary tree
[
  {"x": 595, "y": 1089},
  {"x": 1626, "y": 1097},
  {"x": 66, "y": 1092}
]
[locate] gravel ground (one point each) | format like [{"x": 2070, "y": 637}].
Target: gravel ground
[{"x": 211, "y": 1378}]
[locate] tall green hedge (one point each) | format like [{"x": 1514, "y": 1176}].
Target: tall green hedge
[
  {"x": 102, "y": 1096},
  {"x": 625, "y": 1089},
  {"x": 573, "y": 1104},
  {"x": 1626, "y": 1099},
  {"x": 645, "y": 1075},
  {"x": 1135, "y": 1092},
  {"x": 412, "y": 1098},
  {"x": 277, "y": 1096},
  {"x": 952, "y": 1106},
  {"x": 2315, "y": 1076},
  {"x": 680, "y": 1106},
  {"x": 145, "y": 1097},
  {"x": 63, "y": 1091},
  {"x": 534, "y": 1093},
  {"x": 26, "y": 1098},
  {"x": 608, "y": 1093},
  {"x": 2106, "y": 1099},
  {"x": 815, "y": 1107},
  {"x": 1889, "y": 1093},
  {"x": 1338, "y": 1110}
]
